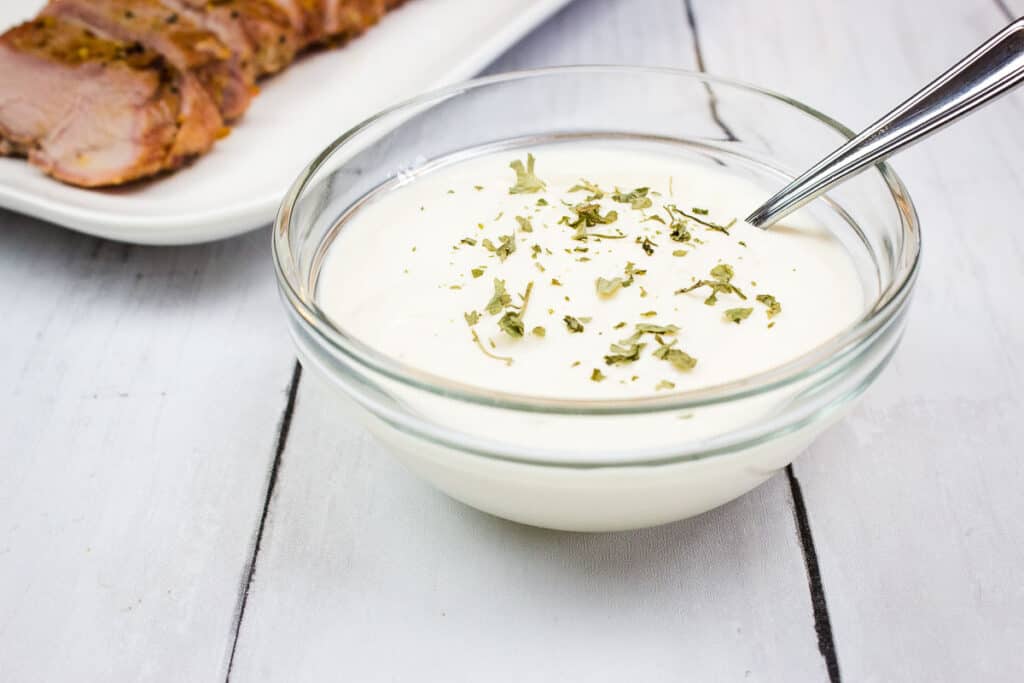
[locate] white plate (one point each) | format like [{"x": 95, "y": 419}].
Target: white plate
[{"x": 238, "y": 186}]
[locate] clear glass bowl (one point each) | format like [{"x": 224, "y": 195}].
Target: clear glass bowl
[{"x": 635, "y": 462}]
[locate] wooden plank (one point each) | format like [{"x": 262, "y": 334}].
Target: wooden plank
[
  {"x": 1011, "y": 9},
  {"x": 367, "y": 574},
  {"x": 914, "y": 500},
  {"x": 142, "y": 392}
]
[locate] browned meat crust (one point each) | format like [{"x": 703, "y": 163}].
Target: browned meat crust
[
  {"x": 185, "y": 44},
  {"x": 58, "y": 79},
  {"x": 103, "y": 92},
  {"x": 260, "y": 32}
]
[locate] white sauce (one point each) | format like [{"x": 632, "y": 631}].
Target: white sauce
[{"x": 387, "y": 278}]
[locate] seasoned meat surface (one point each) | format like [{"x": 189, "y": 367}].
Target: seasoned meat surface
[
  {"x": 185, "y": 44},
  {"x": 260, "y": 32},
  {"x": 92, "y": 111},
  {"x": 104, "y": 92}
]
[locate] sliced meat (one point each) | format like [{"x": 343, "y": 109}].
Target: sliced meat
[
  {"x": 348, "y": 18},
  {"x": 258, "y": 31},
  {"x": 306, "y": 18},
  {"x": 91, "y": 111},
  {"x": 103, "y": 92},
  {"x": 186, "y": 45}
]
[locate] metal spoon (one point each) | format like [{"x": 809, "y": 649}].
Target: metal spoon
[{"x": 990, "y": 71}]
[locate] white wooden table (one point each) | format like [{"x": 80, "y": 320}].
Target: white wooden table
[{"x": 175, "y": 506}]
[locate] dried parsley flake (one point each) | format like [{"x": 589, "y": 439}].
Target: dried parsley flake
[
  {"x": 526, "y": 180},
  {"x": 774, "y": 307},
  {"x": 574, "y": 325},
  {"x": 738, "y": 315}
]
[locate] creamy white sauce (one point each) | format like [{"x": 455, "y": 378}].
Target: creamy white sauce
[{"x": 388, "y": 278}]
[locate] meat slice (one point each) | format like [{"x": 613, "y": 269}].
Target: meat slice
[
  {"x": 346, "y": 19},
  {"x": 260, "y": 32},
  {"x": 333, "y": 22},
  {"x": 186, "y": 45},
  {"x": 95, "y": 112}
]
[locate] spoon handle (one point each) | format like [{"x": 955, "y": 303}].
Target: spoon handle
[{"x": 985, "y": 74}]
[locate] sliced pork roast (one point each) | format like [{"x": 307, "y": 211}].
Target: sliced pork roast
[
  {"x": 103, "y": 92},
  {"x": 307, "y": 17},
  {"x": 92, "y": 111},
  {"x": 261, "y": 33},
  {"x": 186, "y": 45},
  {"x": 346, "y": 19}
]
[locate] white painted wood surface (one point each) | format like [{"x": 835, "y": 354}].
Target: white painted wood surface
[
  {"x": 142, "y": 391},
  {"x": 915, "y": 500},
  {"x": 1011, "y": 8},
  {"x": 368, "y": 574}
]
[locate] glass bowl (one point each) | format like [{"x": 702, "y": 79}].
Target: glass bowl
[{"x": 597, "y": 465}]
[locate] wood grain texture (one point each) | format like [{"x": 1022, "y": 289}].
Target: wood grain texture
[
  {"x": 366, "y": 574},
  {"x": 915, "y": 499},
  {"x": 143, "y": 391},
  {"x": 141, "y": 394},
  {"x": 1011, "y": 9}
]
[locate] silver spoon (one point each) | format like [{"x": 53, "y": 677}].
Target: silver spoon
[{"x": 990, "y": 71}]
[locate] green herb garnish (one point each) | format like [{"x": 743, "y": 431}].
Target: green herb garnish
[
  {"x": 524, "y": 224},
  {"x": 672, "y": 208},
  {"x": 677, "y": 357},
  {"x": 679, "y": 233},
  {"x": 637, "y": 199},
  {"x": 587, "y": 186},
  {"x": 738, "y": 315},
  {"x": 472, "y": 318},
  {"x": 607, "y": 287},
  {"x": 500, "y": 300},
  {"x": 597, "y": 375},
  {"x": 526, "y": 181},
  {"x": 625, "y": 351},
  {"x": 587, "y": 216},
  {"x": 512, "y": 322},
  {"x": 505, "y": 249},
  {"x": 574, "y": 325},
  {"x": 648, "y": 328},
  {"x": 504, "y": 359},
  {"x": 722, "y": 274},
  {"x": 664, "y": 384},
  {"x": 477, "y": 272},
  {"x": 539, "y": 331},
  {"x": 468, "y": 240},
  {"x": 774, "y": 307}
]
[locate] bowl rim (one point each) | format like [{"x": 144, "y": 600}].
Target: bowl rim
[{"x": 890, "y": 301}]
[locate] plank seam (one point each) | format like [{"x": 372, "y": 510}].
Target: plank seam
[
  {"x": 691, "y": 19},
  {"x": 822, "y": 622},
  {"x": 249, "y": 572},
  {"x": 1005, "y": 9}
]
